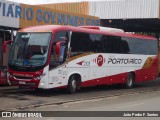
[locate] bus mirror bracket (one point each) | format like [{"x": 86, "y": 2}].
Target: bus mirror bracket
[
  {"x": 58, "y": 47},
  {"x": 5, "y": 45}
]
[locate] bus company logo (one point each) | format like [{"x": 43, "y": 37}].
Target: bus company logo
[
  {"x": 84, "y": 63},
  {"x": 80, "y": 63},
  {"x": 100, "y": 60},
  {"x": 124, "y": 61}
]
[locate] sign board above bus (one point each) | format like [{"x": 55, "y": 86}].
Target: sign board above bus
[{"x": 28, "y": 15}]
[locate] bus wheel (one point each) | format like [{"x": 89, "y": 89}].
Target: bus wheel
[
  {"x": 73, "y": 84},
  {"x": 130, "y": 80}
]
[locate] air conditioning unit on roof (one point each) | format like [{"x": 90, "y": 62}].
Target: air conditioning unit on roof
[
  {"x": 111, "y": 29},
  {"x": 108, "y": 29}
]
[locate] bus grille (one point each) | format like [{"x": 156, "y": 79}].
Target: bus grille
[{"x": 23, "y": 78}]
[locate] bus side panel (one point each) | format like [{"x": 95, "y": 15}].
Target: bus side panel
[
  {"x": 111, "y": 72},
  {"x": 103, "y": 81},
  {"x": 139, "y": 75},
  {"x": 109, "y": 80},
  {"x": 83, "y": 72},
  {"x": 149, "y": 71},
  {"x": 94, "y": 82},
  {"x": 116, "y": 79}
]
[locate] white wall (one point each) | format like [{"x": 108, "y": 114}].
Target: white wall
[
  {"x": 125, "y": 9},
  {"x": 8, "y": 21}
]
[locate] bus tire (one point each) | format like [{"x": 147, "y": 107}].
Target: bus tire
[
  {"x": 130, "y": 81},
  {"x": 73, "y": 84}
]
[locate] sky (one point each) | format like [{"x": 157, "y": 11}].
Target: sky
[{"x": 34, "y": 2}]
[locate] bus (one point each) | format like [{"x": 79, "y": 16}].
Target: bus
[
  {"x": 57, "y": 56},
  {"x": 3, "y": 75}
]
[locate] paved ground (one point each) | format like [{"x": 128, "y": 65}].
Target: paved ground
[
  {"x": 11, "y": 98},
  {"x": 144, "y": 97}
]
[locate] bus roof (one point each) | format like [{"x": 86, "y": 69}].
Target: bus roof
[{"x": 87, "y": 29}]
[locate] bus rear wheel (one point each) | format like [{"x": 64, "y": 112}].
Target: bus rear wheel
[
  {"x": 130, "y": 81},
  {"x": 73, "y": 84}
]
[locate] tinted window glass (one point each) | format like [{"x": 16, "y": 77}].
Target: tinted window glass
[
  {"x": 84, "y": 42},
  {"x": 113, "y": 44},
  {"x": 136, "y": 46},
  {"x": 139, "y": 46},
  {"x": 125, "y": 47},
  {"x": 96, "y": 43},
  {"x": 60, "y": 35},
  {"x": 152, "y": 47},
  {"x": 80, "y": 43}
]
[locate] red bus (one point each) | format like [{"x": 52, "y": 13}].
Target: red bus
[
  {"x": 3, "y": 75},
  {"x": 54, "y": 56}
]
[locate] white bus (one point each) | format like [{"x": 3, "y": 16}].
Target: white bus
[{"x": 53, "y": 56}]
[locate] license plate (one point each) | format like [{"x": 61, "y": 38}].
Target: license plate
[{"x": 22, "y": 82}]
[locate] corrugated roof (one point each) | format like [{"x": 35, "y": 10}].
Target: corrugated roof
[{"x": 125, "y": 9}]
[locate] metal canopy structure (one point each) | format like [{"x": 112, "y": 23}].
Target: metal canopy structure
[
  {"x": 133, "y": 25},
  {"x": 130, "y": 15}
]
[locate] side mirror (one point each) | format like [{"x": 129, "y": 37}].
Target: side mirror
[
  {"x": 58, "y": 47},
  {"x": 5, "y": 44}
]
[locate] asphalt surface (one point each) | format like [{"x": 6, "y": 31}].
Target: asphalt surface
[
  {"x": 144, "y": 97},
  {"x": 12, "y": 98}
]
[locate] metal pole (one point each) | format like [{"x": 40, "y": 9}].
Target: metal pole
[
  {"x": 3, "y": 41},
  {"x": 12, "y": 34}
]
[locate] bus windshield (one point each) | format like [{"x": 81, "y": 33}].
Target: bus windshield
[{"x": 30, "y": 49}]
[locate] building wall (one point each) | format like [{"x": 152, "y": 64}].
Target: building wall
[
  {"x": 43, "y": 15},
  {"x": 117, "y": 9},
  {"x": 125, "y": 9},
  {"x": 21, "y": 15},
  {"x": 8, "y": 18},
  {"x": 78, "y": 7}
]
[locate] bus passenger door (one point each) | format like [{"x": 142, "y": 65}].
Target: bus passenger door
[{"x": 57, "y": 76}]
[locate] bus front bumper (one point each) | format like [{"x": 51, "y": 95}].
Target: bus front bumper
[{"x": 33, "y": 84}]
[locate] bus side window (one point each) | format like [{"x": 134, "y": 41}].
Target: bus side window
[
  {"x": 58, "y": 59},
  {"x": 80, "y": 43}
]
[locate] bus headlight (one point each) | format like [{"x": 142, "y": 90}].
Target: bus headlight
[{"x": 39, "y": 77}]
